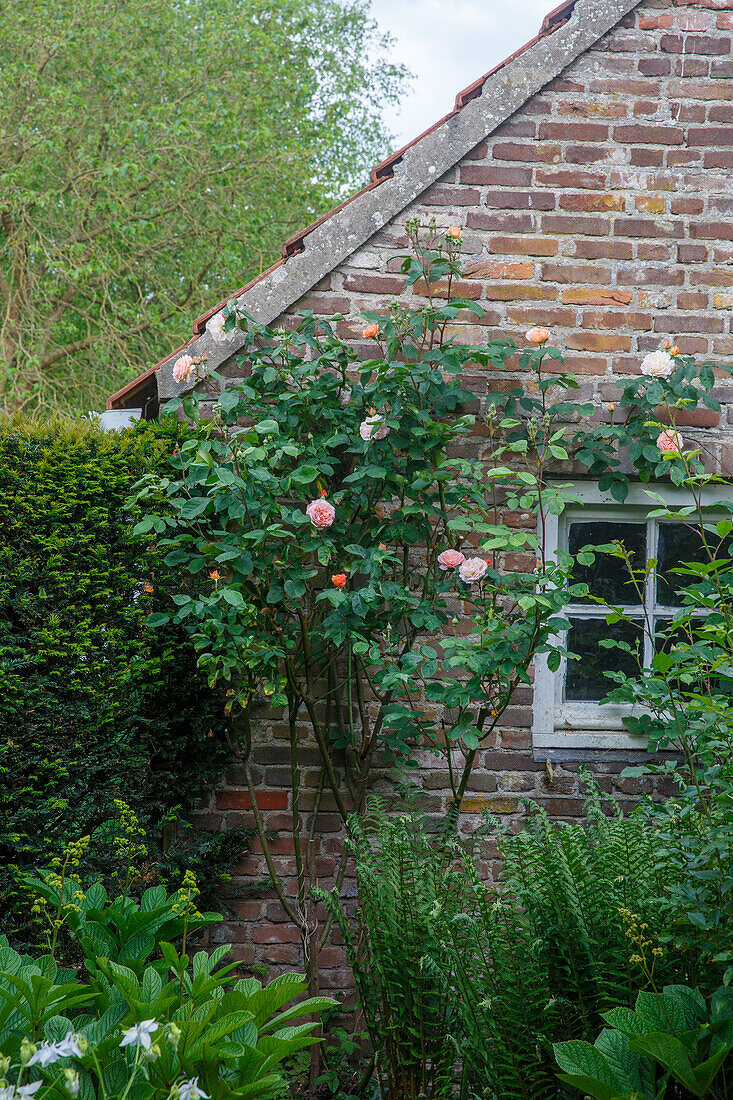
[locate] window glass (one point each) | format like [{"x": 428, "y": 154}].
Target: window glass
[
  {"x": 608, "y": 577},
  {"x": 585, "y": 679},
  {"x": 675, "y": 544}
]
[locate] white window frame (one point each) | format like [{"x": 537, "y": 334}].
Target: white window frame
[{"x": 577, "y": 726}]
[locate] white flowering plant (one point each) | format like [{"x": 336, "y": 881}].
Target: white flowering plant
[{"x": 186, "y": 1029}]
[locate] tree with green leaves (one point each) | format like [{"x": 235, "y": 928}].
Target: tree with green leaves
[{"x": 153, "y": 154}]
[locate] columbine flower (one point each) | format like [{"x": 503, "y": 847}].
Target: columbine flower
[
  {"x": 339, "y": 579},
  {"x": 48, "y": 1053},
  {"x": 472, "y": 569},
  {"x": 669, "y": 443},
  {"x": 183, "y": 368},
  {"x": 658, "y": 364},
  {"x": 215, "y": 575},
  {"x": 373, "y": 428},
  {"x": 321, "y": 513},
  {"x": 191, "y": 1090},
  {"x": 537, "y": 335},
  {"x": 25, "y": 1091},
  {"x": 449, "y": 559},
  {"x": 371, "y": 331},
  {"x": 215, "y": 329},
  {"x": 139, "y": 1034},
  {"x": 383, "y": 546},
  {"x": 72, "y": 1084}
]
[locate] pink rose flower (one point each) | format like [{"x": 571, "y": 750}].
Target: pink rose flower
[
  {"x": 472, "y": 569},
  {"x": 449, "y": 559},
  {"x": 183, "y": 369},
  {"x": 373, "y": 428},
  {"x": 321, "y": 513},
  {"x": 537, "y": 335},
  {"x": 669, "y": 443}
]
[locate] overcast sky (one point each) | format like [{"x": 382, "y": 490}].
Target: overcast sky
[{"x": 447, "y": 44}]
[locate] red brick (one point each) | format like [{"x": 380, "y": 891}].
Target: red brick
[
  {"x": 439, "y": 289},
  {"x": 710, "y": 135},
  {"x": 373, "y": 284},
  {"x": 519, "y": 200},
  {"x": 589, "y": 201},
  {"x": 687, "y": 206},
  {"x": 653, "y": 252},
  {"x": 536, "y": 315},
  {"x": 691, "y": 300},
  {"x": 570, "y": 178},
  {"x": 719, "y": 158},
  {"x": 576, "y": 227},
  {"x": 492, "y": 176},
  {"x": 606, "y": 249},
  {"x": 575, "y": 273},
  {"x": 644, "y": 157},
  {"x": 649, "y": 135},
  {"x": 597, "y": 108},
  {"x": 688, "y": 323},
  {"x": 498, "y": 269},
  {"x": 655, "y": 22},
  {"x": 500, "y": 223},
  {"x": 586, "y": 154},
  {"x": 644, "y": 227},
  {"x": 641, "y": 322},
  {"x": 692, "y": 253},
  {"x": 654, "y": 66},
  {"x": 510, "y": 292},
  {"x": 700, "y": 89},
  {"x": 597, "y": 341},
  {"x": 712, "y": 231},
  {"x": 722, "y": 112},
  {"x": 240, "y": 800},
  {"x": 694, "y": 44},
  {"x": 724, "y": 23},
  {"x": 442, "y": 195},
  {"x": 524, "y": 246},
  {"x": 600, "y": 296},
  {"x": 548, "y": 154},
  {"x": 650, "y": 204}
]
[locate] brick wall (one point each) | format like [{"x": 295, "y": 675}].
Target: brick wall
[{"x": 604, "y": 210}]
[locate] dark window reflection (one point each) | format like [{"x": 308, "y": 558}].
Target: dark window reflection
[
  {"x": 585, "y": 679},
  {"x": 667, "y": 637},
  {"x": 608, "y": 577},
  {"x": 676, "y": 544}
]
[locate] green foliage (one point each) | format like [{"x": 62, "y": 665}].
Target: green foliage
[
  {"x": 466, "y": 982},
  {"x": 671, "y": 1035},
  {"x": 684, "y": 703},
  {"x": 323, "y": 618},
  {"x": 93, "y": 704},
  {"x": 172, "y": 1026},
  {"x": 147, "y": 175}
]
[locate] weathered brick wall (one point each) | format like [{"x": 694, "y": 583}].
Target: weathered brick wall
[{"x": 603, "y": 210}]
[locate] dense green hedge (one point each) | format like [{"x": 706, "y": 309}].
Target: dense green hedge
[{"x": 93, "y": 705}]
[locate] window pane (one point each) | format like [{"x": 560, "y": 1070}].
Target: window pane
[
  {"x": 676, "y": 544},
  {"x": 585, "y": 678},
  {"x": 666, "y": 638},
  {"x": 608, "y": 577}
]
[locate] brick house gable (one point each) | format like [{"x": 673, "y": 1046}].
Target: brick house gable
[{"x": 597, "y": 201}]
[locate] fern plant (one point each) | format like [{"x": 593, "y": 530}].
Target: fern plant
[{"x": 465, "y": 985}]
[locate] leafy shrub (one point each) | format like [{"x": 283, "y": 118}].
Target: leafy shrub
[
  {"x": 460, "y": 980},
  {"x": 672, "y": 1043},
  {"x": 92, "y": 704},
  {"x": 179, "y": 1027}
]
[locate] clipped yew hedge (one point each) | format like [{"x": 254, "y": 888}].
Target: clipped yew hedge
[{"x": 93, "y": 705}]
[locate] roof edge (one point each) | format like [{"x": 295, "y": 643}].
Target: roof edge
[{"x": 566, "y": 32}]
